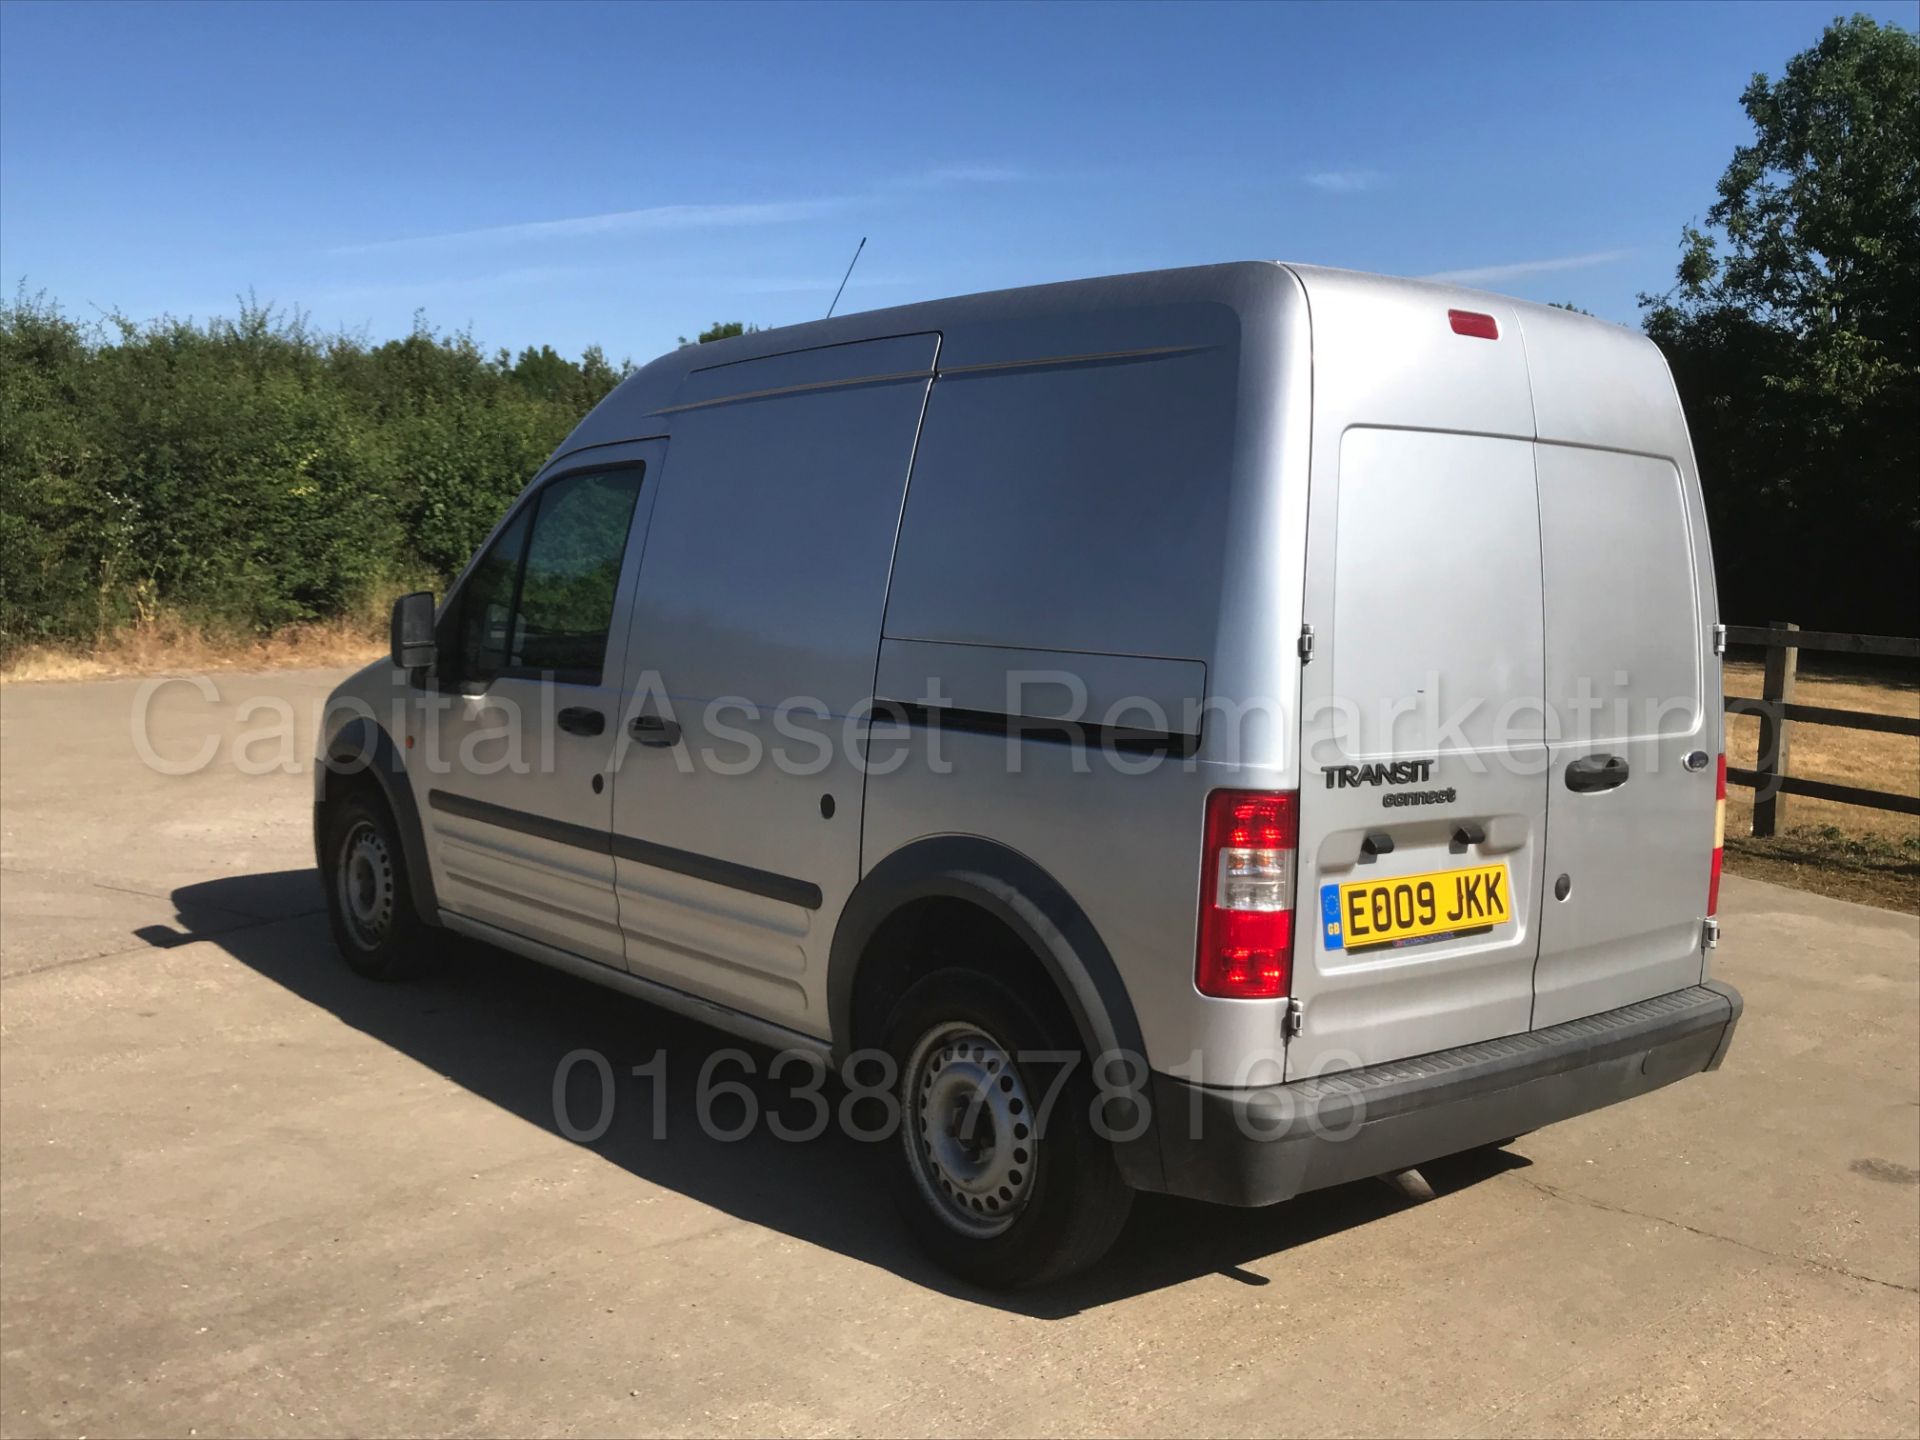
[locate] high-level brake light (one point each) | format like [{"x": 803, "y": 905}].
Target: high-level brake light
[
  {"x": 1246, "y": 896},
  {"x": 1472, "y": 322}
]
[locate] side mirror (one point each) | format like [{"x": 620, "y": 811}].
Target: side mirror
[{"x": 411, "y": 635}]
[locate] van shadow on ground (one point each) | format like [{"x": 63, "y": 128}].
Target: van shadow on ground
[{"x": 500, "y": 1026}]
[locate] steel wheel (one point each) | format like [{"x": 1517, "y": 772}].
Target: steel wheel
[
  {"x": 968, "y": 1129},
  {"x": 365, "y": 880}
]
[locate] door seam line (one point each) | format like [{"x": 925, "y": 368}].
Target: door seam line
[{"x": 886, "y": 599}]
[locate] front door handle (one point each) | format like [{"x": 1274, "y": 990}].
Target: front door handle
[
  {"x": 653, "y": 730},
  {"x": 1593, "y": 773},
  {"x": 579, "y": 720}
]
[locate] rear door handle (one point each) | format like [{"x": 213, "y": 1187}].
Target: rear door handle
[
  {"x": 1593, "y": 773},
  {"x": 653, "y": 730},
  {"x": 579, "y": 720}
]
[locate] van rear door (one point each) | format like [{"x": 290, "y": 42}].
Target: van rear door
[
  {"x": 1632, "y": 682},
  {"x": 1629, "y": 821},
  {"x": 1422, "y": 791}
]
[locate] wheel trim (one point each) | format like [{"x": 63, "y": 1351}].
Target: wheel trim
[
  {"x": 967, "y": 1123},
  {"x": 364, "y": 885}
]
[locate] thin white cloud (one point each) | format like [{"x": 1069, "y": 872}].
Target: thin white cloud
[
  {"x": 1478, "y": 274},
  {"x": 521, "y": 278},
  {"x": 1344, "y": 182},
  {"x": 968, "y": 175},
  {"x": 617, "y": 222},
  {"x": 656, "y": 219}
]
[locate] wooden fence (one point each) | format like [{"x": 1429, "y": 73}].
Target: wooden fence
[{"x": 1777, "y": 711}]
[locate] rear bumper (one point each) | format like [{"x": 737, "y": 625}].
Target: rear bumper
[{"x": 1253, "y": 1147}]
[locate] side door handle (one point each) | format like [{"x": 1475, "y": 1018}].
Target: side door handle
[
  {"x": 579, "y": 720},
  {"x": 653, "y": 730},
  {"x": 1593, "y": 773}
]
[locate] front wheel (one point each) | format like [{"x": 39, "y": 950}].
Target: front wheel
[
  {"x": 999, "y": 1172},
  {"x": 369, "y": 902}
]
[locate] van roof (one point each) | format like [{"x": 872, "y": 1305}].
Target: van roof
[
  {"x": 1244, "y": 286},
  {"x": 1224, "y": 281}
]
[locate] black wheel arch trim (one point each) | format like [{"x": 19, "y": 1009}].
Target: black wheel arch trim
[
  {"x": 362, "y": 746},
  {"x": 1037, "y": 909}
]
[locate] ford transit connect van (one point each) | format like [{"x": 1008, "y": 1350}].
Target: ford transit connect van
[{"x": 1225, "y": 731}]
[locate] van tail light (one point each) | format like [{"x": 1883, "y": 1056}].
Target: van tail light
[
  {"x": 1246, "y": 896},
  {"x": 1472, "y": 322},
  {"x": 1719, "y": 838}
]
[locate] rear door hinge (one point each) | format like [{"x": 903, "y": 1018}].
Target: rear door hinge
[
  {"x": 1719, "y": 639},
  {"x": 1709, "y": 934},
  {"x": 1296, "y": 1017},
  {"x": 1305, "y": 645}
]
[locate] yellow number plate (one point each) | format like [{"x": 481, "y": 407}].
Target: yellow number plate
[{"x": 1413, "y": 907}]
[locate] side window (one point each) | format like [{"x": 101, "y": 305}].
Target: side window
[
  {"x": 543, "y": 601},
  {"x": 486, "y": 604},
  {"x": 573, "y": 565}
]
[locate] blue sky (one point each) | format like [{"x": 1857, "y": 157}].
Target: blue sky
[{"x": 622, "y": 174}]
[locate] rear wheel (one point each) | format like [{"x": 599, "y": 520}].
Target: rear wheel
[
  {"x": 369, "y": 902},
  {"x": 999, "y": 1186}
]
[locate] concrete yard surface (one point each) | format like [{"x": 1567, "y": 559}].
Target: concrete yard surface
[{"x": 244, "y": 1192}]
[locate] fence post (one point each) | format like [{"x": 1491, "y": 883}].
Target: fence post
[{"x": 1769, "y": 805}]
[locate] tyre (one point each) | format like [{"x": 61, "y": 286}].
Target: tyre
[
  {"x": 999, "y": 1187},
  {"x": 369, "y": 902}
]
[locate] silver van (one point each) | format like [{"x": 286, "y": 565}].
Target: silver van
[{"x": 1224, "y": 731}]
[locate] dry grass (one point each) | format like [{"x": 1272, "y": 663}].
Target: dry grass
[
  {"x": 172, "y": 645},
  {"x": 1844, "y": 850},
  {"x": 1827, "y": 752}
]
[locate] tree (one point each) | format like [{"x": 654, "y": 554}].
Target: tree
[
  {"x": 722, "y": 330},
  {"x": 1792, "y": 333},
  {"x": 251, "y": 473}
]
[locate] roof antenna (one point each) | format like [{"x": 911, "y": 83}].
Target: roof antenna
[{"x": 843, "y": 279}]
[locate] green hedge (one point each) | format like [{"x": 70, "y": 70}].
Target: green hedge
[{"x": 249, "y": 473}]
